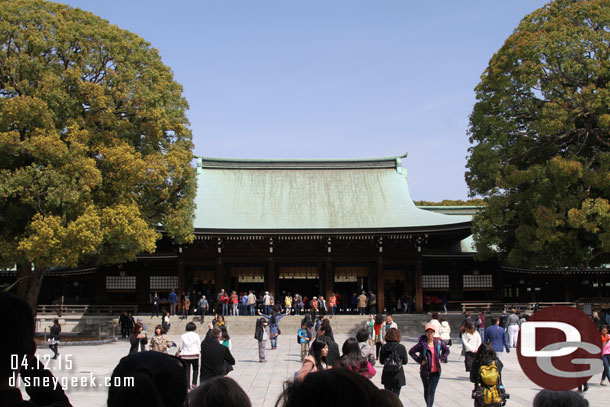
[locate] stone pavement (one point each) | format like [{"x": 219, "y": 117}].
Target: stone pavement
[{"x": 263, "y": 381}]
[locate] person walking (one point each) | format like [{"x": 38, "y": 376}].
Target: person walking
[
  {"x": 186, "y": 305},
  {"x": 471, "y": 340},
  {"x": 429, "y": 353},
  {"x": 224, "y": 301},
  {"x": 261, "y": 335},
  {"x": 189, "y": 352},
  {"x": 203, "y": 306},
  {"x": 373, "y": 303},
  {"x": 160, "y": 342},
  {"x": 370, "y": 326},
  {"x": 368, "y": 352},
  {"x": 288, "y": 303},
  {"x": 479, "y": 324},
  {"x": 445, "y": 331},
  {"x": 393, "y": 356},
  {"x": 54, "y": 337},
  {"x": 352, "y": 359},
  {"x": 234, "y": 300},
  {"x": 436, "y": 324},
  {"x": 605, "y": 354},
  {"x": 173, "y": 302},
  {"x": 274, "y": 329},
  {"x": 165, "y": 321},
  {"x": 486, "y": 374},
  {"x": 251, "y": 303},
  {"x": 214, "y": 356},
  {"x": 378, "y": 337},
  {"x": 267, "y": 303},
  {"x": 136, "y": 338},
  {"x": 332, "y": 303},
  {"x": 243, "y": 308},
  {"x": 512, "y": 326},
  {"x": 315, "y": 361},
  {"x": 155, "y": 303},
  {"x": 304, "y": 339},
  {"x": 389, "y": 324},
  {"x": 362, "y": 303},
  {"x": 497, "y": 336}
]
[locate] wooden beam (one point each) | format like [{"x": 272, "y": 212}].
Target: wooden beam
[
  {"x": 419, "y": 299},
  {"x": 380, "y": 286}
]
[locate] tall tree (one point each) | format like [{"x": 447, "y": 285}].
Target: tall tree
[
  {"x": 95, "y": 147},
  {"x": 541, "y": 135}
]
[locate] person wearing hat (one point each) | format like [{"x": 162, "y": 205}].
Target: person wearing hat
[
  {"x": 267, "y": 303},
  {"x": 261, "y": 335},
  {"x": 429, "y": 353}
]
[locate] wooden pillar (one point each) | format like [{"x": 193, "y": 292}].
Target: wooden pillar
[
  {"x": 419, "y": 296},
  {"x": 380, "y": 286},
  {"x": 219, "y": 278},
  {"x": 270, "y": 278},
  {"x": 180, "y": 279},
  {"x": 329, "y": 278}
]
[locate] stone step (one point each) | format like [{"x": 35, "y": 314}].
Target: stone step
[{"x": 409, "y": 324}]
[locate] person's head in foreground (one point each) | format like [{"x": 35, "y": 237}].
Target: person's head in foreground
[
  {"x": 159, "y": 380},
  {"x": 549, "y": 398},
  {"x": 334, "y": 387},
  {"x": 219, "y": 391},
  {"x": 18, "y": 339}
]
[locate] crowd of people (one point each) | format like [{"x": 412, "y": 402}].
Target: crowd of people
[
  {"x": 248, "y": 303},
  {"x": 197, "y": 372}
]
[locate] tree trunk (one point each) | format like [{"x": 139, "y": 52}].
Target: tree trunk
[{"x": 29, "y": 283}]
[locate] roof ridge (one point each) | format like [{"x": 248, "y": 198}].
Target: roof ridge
[{"x": 299, "y": 163}]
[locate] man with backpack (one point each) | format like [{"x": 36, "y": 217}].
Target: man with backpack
[{"x": 486, "y": 374}]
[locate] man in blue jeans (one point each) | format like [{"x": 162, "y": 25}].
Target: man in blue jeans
[{"x": 497, "y": 336}]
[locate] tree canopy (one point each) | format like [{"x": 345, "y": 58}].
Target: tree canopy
[
  {"x": 540, "y": 133},
  {"x": 95, "y": 146}
]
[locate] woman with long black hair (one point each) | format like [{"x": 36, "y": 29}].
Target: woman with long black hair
[
  {"x": 487, "y": 359},
  {"x": 316, "y": 361},
  {"x": 353, "y": 360}
]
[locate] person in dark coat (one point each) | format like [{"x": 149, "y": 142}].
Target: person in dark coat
[
  {"x": 392, "y": 377},
  {"x": 429, "y": 353},
  {"x": 54, "y": 337},
  {"x": 325, "y": 334},
  {"x": 214, "y": 355}
]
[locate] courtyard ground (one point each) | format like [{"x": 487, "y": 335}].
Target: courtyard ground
[{"x": 263, "y": 381}]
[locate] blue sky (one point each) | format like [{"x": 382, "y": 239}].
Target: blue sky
[{"x": 329, "y": 79}]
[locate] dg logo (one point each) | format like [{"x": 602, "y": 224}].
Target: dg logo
[{"x": 560, "y": 348}]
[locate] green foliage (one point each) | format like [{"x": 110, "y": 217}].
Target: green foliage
[
  {"x": 95, "y": 148},
  {"x": 541, "y": 134}
]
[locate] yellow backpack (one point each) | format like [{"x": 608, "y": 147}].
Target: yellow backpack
[{"x": 489, "y": 378}]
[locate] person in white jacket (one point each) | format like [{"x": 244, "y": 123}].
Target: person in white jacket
[
  {"x": 189, "y": 352},
  {"x": 389, "y": 323},
  {"x": 445, "y": 332},
  {"x": 436, "y": 324},
  {"x": 471, "y": 341}
]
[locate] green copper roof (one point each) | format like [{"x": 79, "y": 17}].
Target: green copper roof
[{"x": 310, "y": 195}]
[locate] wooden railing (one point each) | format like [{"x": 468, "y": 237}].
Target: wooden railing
[
  {"x": 480, "y": 306},
  {"x": 86, "y": 309}
]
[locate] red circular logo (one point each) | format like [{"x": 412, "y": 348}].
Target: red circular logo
[{"x": 559, "y": 348}]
